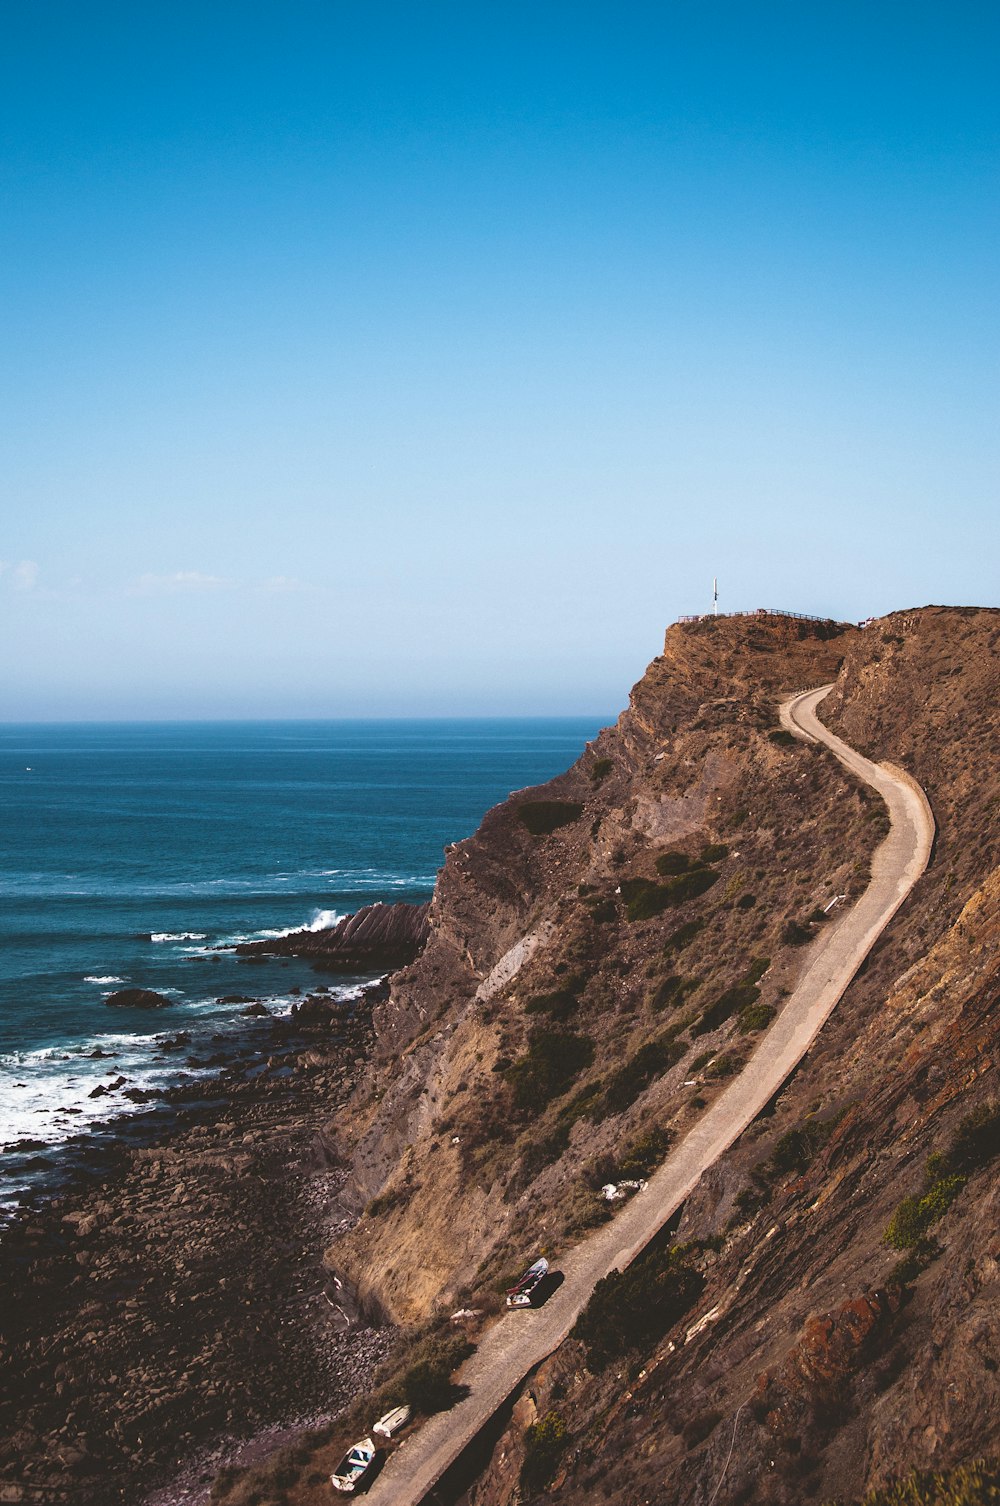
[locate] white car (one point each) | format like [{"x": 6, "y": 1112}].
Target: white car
[
  {"x": 354, "y": 1466},
  {"x": 392, "y": 1423}
]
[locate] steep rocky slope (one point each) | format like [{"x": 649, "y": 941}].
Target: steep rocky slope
[
  {"x": 596, "y": 947},
  {"x": 822, "y": 1357},
  {"x": 602, "y": 954}
]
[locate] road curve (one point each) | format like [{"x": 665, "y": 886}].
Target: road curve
[{"x": 520, "y": 1341}]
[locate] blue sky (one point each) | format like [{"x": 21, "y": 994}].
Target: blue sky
[{"x": 397, "y": 359}]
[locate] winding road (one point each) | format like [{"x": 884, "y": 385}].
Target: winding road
[{"x": 520, "y": 1341}]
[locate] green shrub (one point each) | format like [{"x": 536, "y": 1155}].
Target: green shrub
[
  {"x": 636, "y": 1307},
  {"x": 670, "y": 991},
  {"x": 726, "y": 1065},
  {"x": 558, "y": 1005},
  {"x": 700, "y": 1427},
  {"x": 683, "y": 934},
  {"x": 729, "y": 1003},
  {"x": 781, "y": 738},
  {"x": 543, "y": 816},
  {"x": 427, "y": 1386},
  {"x": 758, "y": 967},
  {"x": 797, "y": 1148},
  {"x": 977, "y": 1140},
  {"x": 636, "y": 1074},
  {"x": 975, "y": 1484},
  {"x": 701, "y": 1061},
  {"x": 645, "y": 1154},
  {"x": 906, "y": 1271},
  {"x": 915, "y": 1216},
  {"x": 748, "y": 1202},
  {"x": 672, "y": 862},
  {"x": 582, "y": 1211},
  {"x": 426, "y": 1382},
  {"x": 939, "y": 1197},
  {"x": 746, "y": 901},
  {"x": 600, "y": 769},
  {"x": 224, "y": 1481},
  {"x": 755, "y": 1017},
  {"x": 384, "y": 1202},
  {"x": 690, "y": 885},
  {"x": 552, "y": 1060},
  {"x": 544, "y": 1445},
  {"x": 714, "y": 852},
  {"x": 422, "y": 1375},
  {"x": 794, "y": 934},
  {"x": 581, "y": 1104},
  {"x": 644, "y": 898},
  {"x": 539, "y": 1153}
]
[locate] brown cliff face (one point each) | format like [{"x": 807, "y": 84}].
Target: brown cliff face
[
  {"x": 819, "y": 1359},
  {"x": 571, "y": 992}
]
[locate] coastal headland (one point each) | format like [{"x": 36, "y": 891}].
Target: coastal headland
[{"x": 602, "y": 962}]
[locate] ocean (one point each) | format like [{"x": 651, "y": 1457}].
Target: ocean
[{"x": 131, "y": 852}]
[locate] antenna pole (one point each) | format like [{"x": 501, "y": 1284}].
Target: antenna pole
[{"x": 715, "y": 595}]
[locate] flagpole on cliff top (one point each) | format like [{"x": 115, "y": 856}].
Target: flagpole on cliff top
[{"x": 715, "y": 594}]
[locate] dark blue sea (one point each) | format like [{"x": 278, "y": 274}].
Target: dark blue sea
[{"x": 131, "y": 852}]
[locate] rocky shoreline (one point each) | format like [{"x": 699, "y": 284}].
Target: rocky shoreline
[{"x": 171, "y": 1293}]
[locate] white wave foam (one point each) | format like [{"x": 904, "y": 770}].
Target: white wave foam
[
  {"x": 322, "y": 920},
  {"x": 109, "y": 978},
  {"x": 45, "y": 1093},
  {"x": 178, "y": 936},
  {"x": 362, "y": 879}
]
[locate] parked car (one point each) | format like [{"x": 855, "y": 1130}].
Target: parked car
[
  {"x": 354, "y": 1466},
  {"x": 392, "y": 1422},
  {"x": 523, "y": 1294}
]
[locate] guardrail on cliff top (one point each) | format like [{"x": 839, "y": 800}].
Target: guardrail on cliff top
[{"x": 758, "y": 612}]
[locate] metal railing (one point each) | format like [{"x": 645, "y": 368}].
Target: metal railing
[{"x": 757, "y": 612}]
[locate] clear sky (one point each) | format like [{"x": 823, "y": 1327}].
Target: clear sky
[{"x": 429, "y": 358}]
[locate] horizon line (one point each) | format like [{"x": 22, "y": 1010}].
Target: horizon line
[{"x": 216, "y": 721}]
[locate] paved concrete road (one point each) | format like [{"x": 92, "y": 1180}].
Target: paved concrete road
[{"x": 519, "y": 1341}]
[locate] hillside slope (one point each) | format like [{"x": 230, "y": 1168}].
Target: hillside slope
[
  {"x": 603, "y": 953},
  {"x": 569, "y": 984},
  {"x": 820, "y": 1359}
]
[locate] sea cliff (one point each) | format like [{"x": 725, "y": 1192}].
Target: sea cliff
[{"x": 597, "y": 960}]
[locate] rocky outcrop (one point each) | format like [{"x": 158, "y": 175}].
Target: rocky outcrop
[
  {"x": 376, "y": 936},
  {"x": 137, "y": 998}
]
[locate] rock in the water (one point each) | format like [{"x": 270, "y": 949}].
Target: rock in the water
[
  {"x": 137, "y": 998},
  {"x": 376, "y": 936}
]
